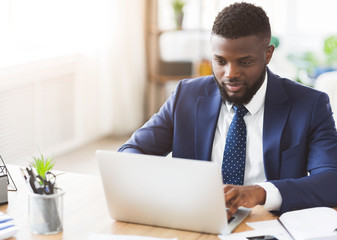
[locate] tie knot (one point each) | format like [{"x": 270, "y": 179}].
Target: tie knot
[{"x": 240, "y": 110}]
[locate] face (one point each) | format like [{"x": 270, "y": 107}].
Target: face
[{"x": 239, "y": 66}]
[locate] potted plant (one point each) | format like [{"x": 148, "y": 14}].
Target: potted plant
[
  {"x": 45, "y": 201},
  {"x": 178, "y": 6},
  {"x": 42, "y": 165}
]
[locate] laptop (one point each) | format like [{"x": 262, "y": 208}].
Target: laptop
[{"x": 168, "y": 192}]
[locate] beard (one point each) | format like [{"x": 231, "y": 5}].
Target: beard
[{"x": 248, "y": 94}]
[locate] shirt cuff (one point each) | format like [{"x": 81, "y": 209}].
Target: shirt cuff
[{"x": 273, "y": 196}]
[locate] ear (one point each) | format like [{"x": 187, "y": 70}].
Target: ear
[{"x": 269, "y": 53}]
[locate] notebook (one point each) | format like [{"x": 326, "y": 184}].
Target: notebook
[
  {"x": 168, "y": 192},
  {"x": 7, "y": 226}
]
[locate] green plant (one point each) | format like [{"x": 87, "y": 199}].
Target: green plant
[
  {"x": 178, "y": 5},
  {"x": 42, "y": 165},
  {"x": 330, "y": 49},
  {"x": 274, "y": 41}
]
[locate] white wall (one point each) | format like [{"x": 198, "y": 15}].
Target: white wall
[{"x": 71, "y": 71}]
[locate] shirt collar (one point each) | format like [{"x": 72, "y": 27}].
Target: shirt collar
[{"x": 257, "y": 101}]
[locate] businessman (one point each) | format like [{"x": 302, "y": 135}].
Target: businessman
[{"x": 274, "y": 140}]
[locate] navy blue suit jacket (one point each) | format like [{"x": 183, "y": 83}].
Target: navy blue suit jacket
[{"x": 299, "y": 136}]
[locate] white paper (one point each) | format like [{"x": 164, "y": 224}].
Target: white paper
[
  {"x": 270, "y": 227},
  {"x": 311, "y": 223},
  {"x": 277, "y": 232},
  {"x": 307, "y": 224},
  {"x": 95, "y": 236},
  {"x": 265, "y": 224}
]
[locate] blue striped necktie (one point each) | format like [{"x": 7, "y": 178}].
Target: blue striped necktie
[{"x": 233, "y": 165}]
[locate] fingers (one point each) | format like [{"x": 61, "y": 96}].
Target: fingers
[
  {"x": 232, "y": 199},
  {"x": 230, "y": 192},
  {"x": 227, "y": 189},
  {"x": 246, "y": 196},
  {"x": 232, "y": 208},
  {"x": 229, "y": 214}
]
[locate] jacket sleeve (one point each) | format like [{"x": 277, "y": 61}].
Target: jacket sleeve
[
  {"x": 156, "y": 135},
  {"x": 319, "y": 188}
]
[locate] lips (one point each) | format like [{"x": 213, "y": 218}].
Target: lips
[{"x": 234, "y": 87}]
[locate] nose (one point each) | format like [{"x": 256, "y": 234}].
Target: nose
[{"x": 231, "y": 71}]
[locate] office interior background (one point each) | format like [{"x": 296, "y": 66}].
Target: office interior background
[{"x": 73, "y": 72}]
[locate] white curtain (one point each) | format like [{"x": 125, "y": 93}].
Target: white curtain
[
  {"x": 124, "y": 67},
  {"x": 97, "y": 44}
]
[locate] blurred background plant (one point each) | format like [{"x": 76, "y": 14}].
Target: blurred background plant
[
  {"x": 330, "y": 50},
  {"x": 310, "y": 64},
  {"x": 274, "y": 41},
  {"x": 178, "y": 6}
]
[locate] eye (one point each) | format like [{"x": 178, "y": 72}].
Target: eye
[
  {"x": 221, "y": 61},
  {"x": 247, "y": 62}
]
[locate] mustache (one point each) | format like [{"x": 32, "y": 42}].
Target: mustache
[{"x": 227, "y": 80}]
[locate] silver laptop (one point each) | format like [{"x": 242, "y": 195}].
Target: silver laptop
[{"x": 168, "y": 192}]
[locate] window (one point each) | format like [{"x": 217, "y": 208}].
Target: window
[
  {"x": 301, "y": 25},
  {"x": 38, "y": 28}
]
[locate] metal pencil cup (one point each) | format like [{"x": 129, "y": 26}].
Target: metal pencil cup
[{"x": 46, "y": 212}]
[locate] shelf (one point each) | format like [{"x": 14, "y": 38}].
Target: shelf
[
  {"x": 166, "y": 67},
  {"x": 162, "y": 79},
  {"x": 158, "y": 32}
]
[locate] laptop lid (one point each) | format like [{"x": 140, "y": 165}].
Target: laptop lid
[{"x": 168, "y": 192}]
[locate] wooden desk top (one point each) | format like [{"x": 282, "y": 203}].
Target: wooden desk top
[{"x": 86, "y": 212}]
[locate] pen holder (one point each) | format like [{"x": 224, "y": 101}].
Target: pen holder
[{"x": 46, "y": 212}]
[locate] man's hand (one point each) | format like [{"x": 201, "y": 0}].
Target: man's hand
[{"x": 245, "y": 196}]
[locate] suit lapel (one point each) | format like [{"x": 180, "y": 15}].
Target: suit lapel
[
  {"x": 206, "y": 118},
  {"x": 275, "y": 116}
]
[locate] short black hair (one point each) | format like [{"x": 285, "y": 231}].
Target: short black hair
[{"x": 242, "y": 20}]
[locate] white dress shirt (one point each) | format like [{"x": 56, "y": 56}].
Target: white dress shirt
[{"x": 254, "y": 169}]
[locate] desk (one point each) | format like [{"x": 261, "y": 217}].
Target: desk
[{"x": 86, "y": 212}]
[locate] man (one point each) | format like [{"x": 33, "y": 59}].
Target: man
[{"x": 289, "y": 148}]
